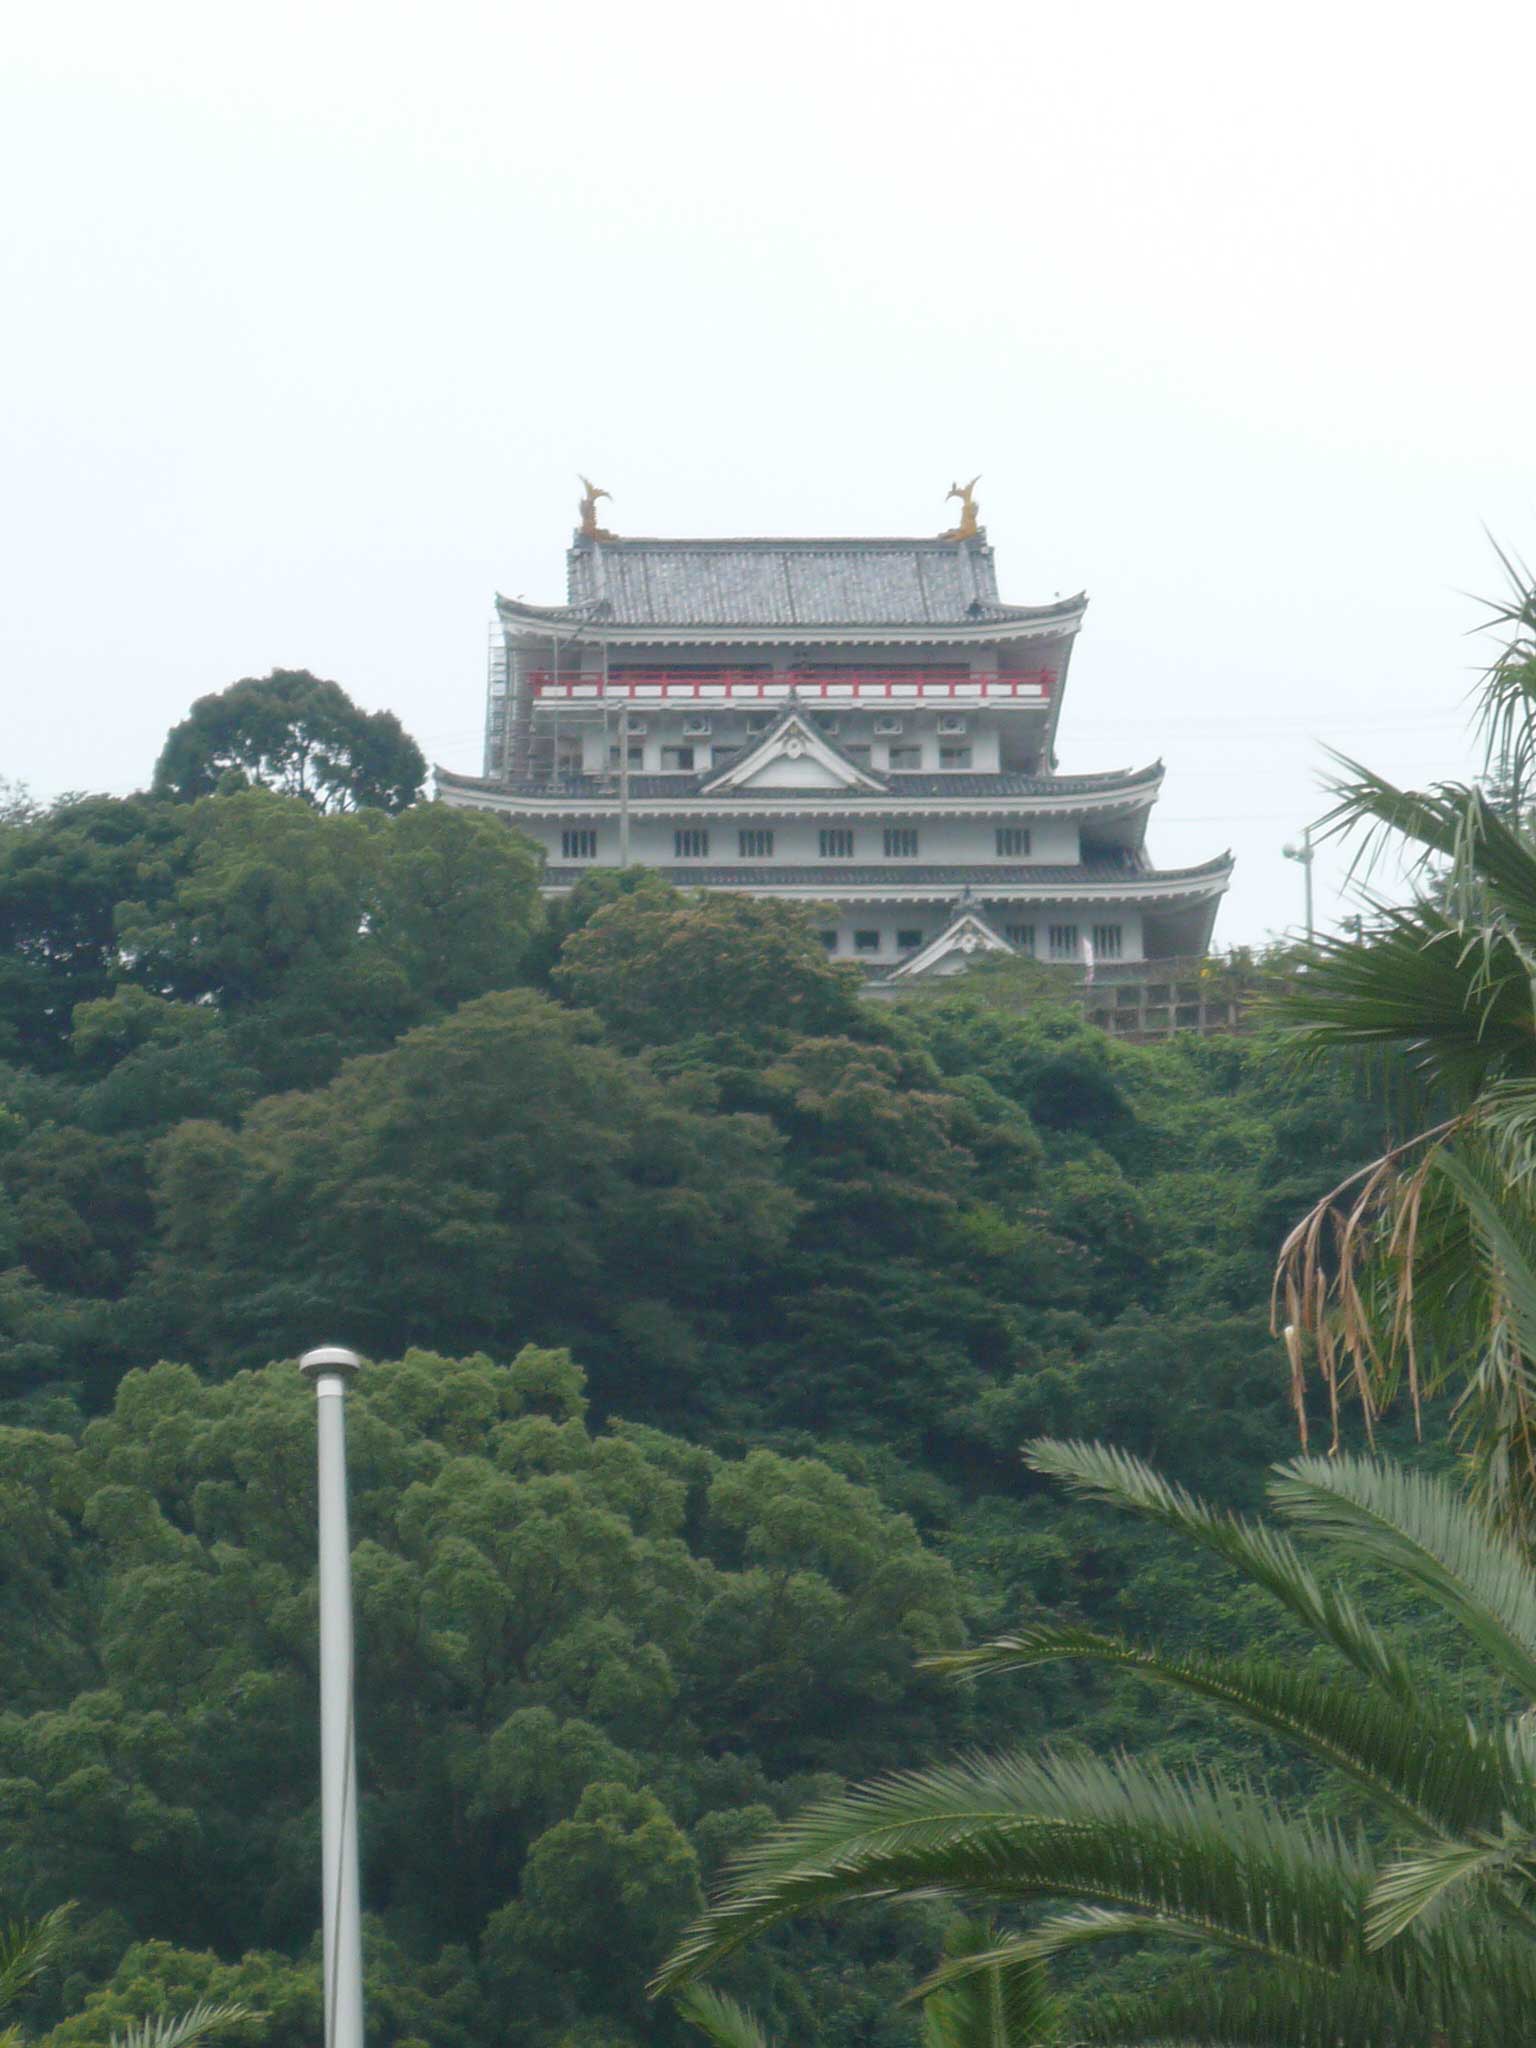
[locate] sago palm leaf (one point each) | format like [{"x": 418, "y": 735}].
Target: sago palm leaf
[{"x": 1426, "y": 1769}]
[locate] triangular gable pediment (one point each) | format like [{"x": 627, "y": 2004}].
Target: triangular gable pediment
[
  {"x": 793, "y": 755},
  {"x": 954, "y": 948}
]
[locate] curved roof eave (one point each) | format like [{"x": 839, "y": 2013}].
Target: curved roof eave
[
  {"x": 991, "y": 620},
  {"x": 1131, "y": 787},
  {"x": 1013, "y": 884}
]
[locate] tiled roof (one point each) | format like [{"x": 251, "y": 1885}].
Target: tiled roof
[
  {"x": 786, "y": 583},
  {"x": 842, "y": 875},
  {"x": 963, "y": 783}
]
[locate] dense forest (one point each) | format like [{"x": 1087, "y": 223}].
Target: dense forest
[{"x": 708, "y": 1306}]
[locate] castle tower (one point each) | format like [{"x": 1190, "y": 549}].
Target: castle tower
[{"x": 858, "y": 725}]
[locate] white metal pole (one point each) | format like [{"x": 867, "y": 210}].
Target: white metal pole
[
  {"x": 1306, "y": 853},
  {"x": 330, "y": 1368},
  {"x": 1306, "y": 840}
]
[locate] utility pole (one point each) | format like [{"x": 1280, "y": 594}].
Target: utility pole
[
  {"x": 1305, "y": 853},
  {"x": 330, "y": 1368}
]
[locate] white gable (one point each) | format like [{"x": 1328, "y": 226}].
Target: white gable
[
  {"x": 953, "y": 950},
  {"x": 793, "y": 756}
]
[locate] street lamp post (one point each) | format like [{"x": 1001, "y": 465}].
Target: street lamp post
[
  {"x": 330, "y": 1368},
  {"x": 1305, "y": 853}
]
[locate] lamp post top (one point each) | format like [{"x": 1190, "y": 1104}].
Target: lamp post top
[{"x": 327, "y": 1360}]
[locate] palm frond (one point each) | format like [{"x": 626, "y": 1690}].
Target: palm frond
[
  {"x": 1002, "y": 1999},
  {"x": 1416, "y": 1526},
  {"x": 1426, "y": 1769},
  {"x": 1495, "y": 1417},
  {"x": 1432, "y": 1261},
  {"x": 727, "y": 2023},
  {"x": 181, "y": 2029},
  {"x": 1261, "y": 1554},
  {"x": 1127, "y": 1835},
  {"x": 1451, "y": 1004},
  {"x": 1413, "y": 1885},
  {"x": 1245, "y": 2008},
  {"x": 27, "y": 1947}
]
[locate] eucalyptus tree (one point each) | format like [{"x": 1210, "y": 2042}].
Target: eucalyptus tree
[
  {"x": 1421, "y": 1269},
  {"x": 1409, "y": 1924}
]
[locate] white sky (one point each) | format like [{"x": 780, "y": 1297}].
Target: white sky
[{"x": 314, "y": 311}]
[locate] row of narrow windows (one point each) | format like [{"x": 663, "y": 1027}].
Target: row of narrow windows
[
  {"x": 682, "y": 760},
  {"x": 755, "y": 842},
  {"x": 1063, "y": 941}
]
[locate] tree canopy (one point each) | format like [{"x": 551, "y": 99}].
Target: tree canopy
[
  {"x": 298, "y": 735},
  {"x": 270, "y": 1073}
]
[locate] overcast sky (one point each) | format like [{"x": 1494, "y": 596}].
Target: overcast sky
[{"x": 314, "y": 311}]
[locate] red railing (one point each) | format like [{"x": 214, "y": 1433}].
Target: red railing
[{"x": 1031, "y": 685}]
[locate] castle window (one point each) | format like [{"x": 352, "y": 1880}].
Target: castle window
[
  {"x": 1107, "y": 941},
  {"x": 677, "y": 757},
  {"x": 906, "y": 757},
  {"x": 690, "y": 844},
  {"x": 859, "y": 754},
  {"x": 1012, "y": 841},
  {"x": 1063, "y": 941},
  {"x": 909, "y": 942},
  {"x": 901, "y": 842},
  {"x": 829, "y": 940},
  {"x": 636, "y": 757},
  {"x": 866, "y": 942},
  {"x": 954, "y": 757},
  {"x": 755, "y": 844},
  {"x": 837, "y": 842},
  {"x": 1020, "y": 935},
  {"x": 580, "y": 844}
]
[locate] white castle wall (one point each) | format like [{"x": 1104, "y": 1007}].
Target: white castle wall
[{"x": 942, "y": 841}]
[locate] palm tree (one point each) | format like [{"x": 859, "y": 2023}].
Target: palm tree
[
  {"x": 1414, "y": 1929},
  {"x": 1422, "y": 1268}
]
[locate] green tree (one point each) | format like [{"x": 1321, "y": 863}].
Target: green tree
[
  {"x": 62, "y": 878},
  {"x": 1417, "y": 1934},
  {"x": 572, "y": 1643},
  {"x": 297, "y": 734},
  {"x": 498, "y": 1174},
  {"x": 318, "y": 937},
  {"x": 27, "y": 1949},
  {"x": 658, "y": 968}
]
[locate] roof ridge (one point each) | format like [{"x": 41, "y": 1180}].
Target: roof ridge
[{"x": 976, "y": 542}]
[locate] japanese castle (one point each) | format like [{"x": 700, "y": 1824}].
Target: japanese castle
[{"x": 862, "y": 726}]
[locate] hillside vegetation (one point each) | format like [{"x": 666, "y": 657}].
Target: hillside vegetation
[{"x": 711, "y": 1307}]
